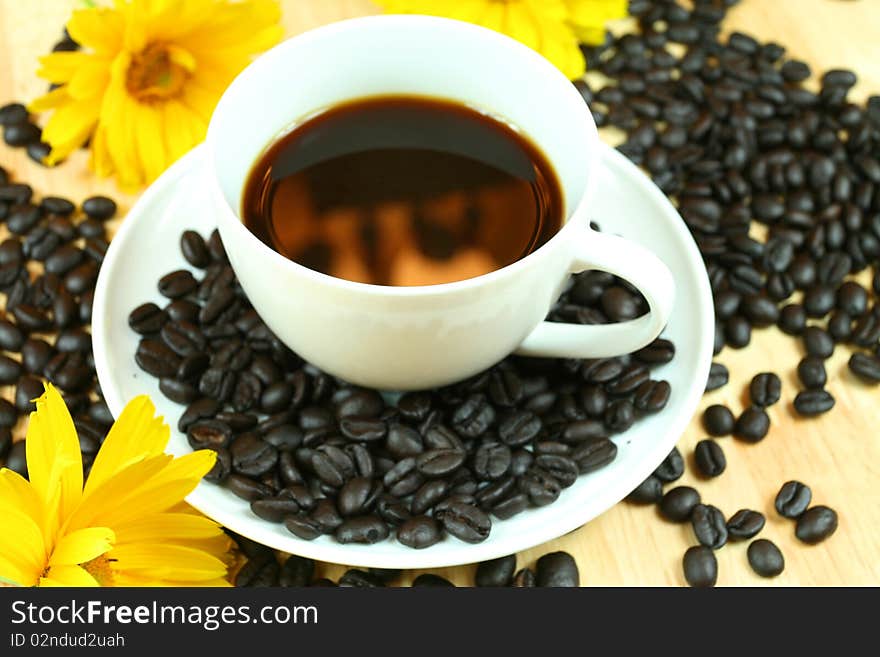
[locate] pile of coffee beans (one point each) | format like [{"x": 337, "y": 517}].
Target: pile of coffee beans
[
  {"x": 328, "y": 458},
  {"x": 48, "y": 268},
  {"x": 19, "y": 131},
  {"x": 264, "y": 568},
  {"x": 780, "y": 187}
]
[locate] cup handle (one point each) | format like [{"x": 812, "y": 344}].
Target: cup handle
[{"x": 629, "y": 261}]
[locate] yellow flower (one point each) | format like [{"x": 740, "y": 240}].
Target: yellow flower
[
  {"x": 552, "y": 27},
  {"x": 126, "y": 527},
  {"x": 148, "y": 78}
]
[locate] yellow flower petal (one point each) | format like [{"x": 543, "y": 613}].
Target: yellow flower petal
[
  {"x": 81, "y": 546},
  {"x": 183, "y": 129},
  {"x": 137, "y": 434},
  {"x": 49, "y": 100},
  {"x": 17, "y": 493},
  {"x": 53, "y": 457},
  {"x": 59, "y": 67},
  {"x": 150, "y": 145},
  {"x": 68, "y": 576},
  {"x": 22, "y": 548},
  {"x": 590, "y": 17},
  {"x": 98, "y": 28},
  {"x": 168, "y": 562},
  {"x": 169, "y": 525},
  {"x": 90, "y": 81}
]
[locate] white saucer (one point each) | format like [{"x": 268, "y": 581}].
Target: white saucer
[{"x": 627, "y": 203}]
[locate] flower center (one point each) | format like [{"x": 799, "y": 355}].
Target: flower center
[
  {"x": 100, "y": 568},
  {"x": 157, "y": 73}
]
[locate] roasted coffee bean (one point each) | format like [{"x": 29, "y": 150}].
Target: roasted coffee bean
[
  {"x": 414, "y": 406},
  {"x": 285, "y": 437},
  {"x": 11, "y": 337},
  {"x": 473, "y": 417},
  {"x": 16, "y": 459},
  {"x": 511, "y": 506},
  {"x": 73, "y": 340},
  {"x": 819, "y": 300},
  {"x": 745, "y": 523},
  {"x": 579, "y": 431},
  {"x": 620, "y": 415},
  {"x": 518, "y": 428},
  {"x": 13, "y": 113},
  {"x": 765, "y": 389},
  {"x": 304, "y": 527},
  {"x": 752, "y": 425},
  {"x": 505, "y": 388},
  {"x": 793, "y": 499},
  {"x": 718, "y": 377},
  {"x": 678, "y": 503},
  {"x": 811, "y": 372},
  {"x": 360, "y": 579},
  {"x": 22, "y": 218},
  {"x": 813, "y": 402},
  {"x": 492, "y": 460},
  {"x": 866, "y": 367},
  {"x": 652, "y": 396},
  {"x": 671, "y": 468},
  {"x": 497, "y": 572},
  {"x": 718, "y": 420},
  {"x": 540, "y": 486},
  {"x": 177, "y": 284},
  {"x": 765, "y": 558},
  {"x": 31, "y": 318},
  {"x": 296, "y": 572},
  {"x": 816, "y": 524},
  {"x": 363, "y": 430},
  {"x": 650, "y": 491},
  {"x": 419, "y": 532},
  {"x": 215, "y": 247},
  {"x": 737, "y": 332},
  {"x": 200, "y": 409},
  {"x": 793, "y": 319},
  {"x": 818, "y": 342},
  {"x": 865, "y": 330},
  {"x": 710, "y": 458},
  {"x": 357, "y": 496},
  {"x": 440, "y": 462},
  {"x": 557, "y": 569},
  {"x": 274, "y": 510},
  {"x": 659, "y": 352},
  {"x": 194, "y": 249},
  {"x": 361, "y": 403},
  {"x": 429, "y": 579},
  {"x": 8, "y": 414},
  {"x": 709, "y": 526},
  {"x": 28, "y": 389},
  {"x": 81, "y": 278},
  {"x": 99, "y": 207},
  {"x": 208, "y": 434},
  {"x": 363, "y": 529},
  {"x": 35, "y": 354},
  {"x": 147, "y": 319},
  {"x": 700, "y": 567},
  {"x": 215, "y": 383},
  {"x": 177, "y": 391},
  {"x": 252, "y": 456},
  {"x": 155, "y": 358},
  {"x": 10, "y": 370},
  {"x": 183, "y": 338},
  {"x": 592, "y": 455}
]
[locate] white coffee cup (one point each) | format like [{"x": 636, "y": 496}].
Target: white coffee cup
[{"x": 406, "y": 338}]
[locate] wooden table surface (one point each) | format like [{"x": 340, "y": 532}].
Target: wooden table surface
[{"x": 838, "y": 455}]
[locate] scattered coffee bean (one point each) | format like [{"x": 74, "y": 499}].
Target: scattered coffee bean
[
  {"x": 718, "y": 377},
  {"x": 678, "y": 503},
  {"x": 793, "y": 499},
  {"x": 557, "y": 569},
  {"x": 709, "y": 526},
  {"x": 745, "y": 523},
  {"x": 650, "y": 491},
  {"x": 866, "y": 367},
  {"x": 497, "y": 572},
  {"x": 765, "y": 558},
  {"x": 811, "y": 372},
  {"x": 816, "y": 524},
  {"x": 813, "y": 402},
  {"x": 710, "y": 458},
  {"x": 765, "y": 389},
  {"x": 718, "y": 420},
  {"x": 752, "y": 425},
  {"x": 700, "y": 567}
]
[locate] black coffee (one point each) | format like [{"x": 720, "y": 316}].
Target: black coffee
[{"x": 403, "y": 191}]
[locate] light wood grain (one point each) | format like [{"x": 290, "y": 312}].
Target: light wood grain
[{"x": 837, "y": 455}]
